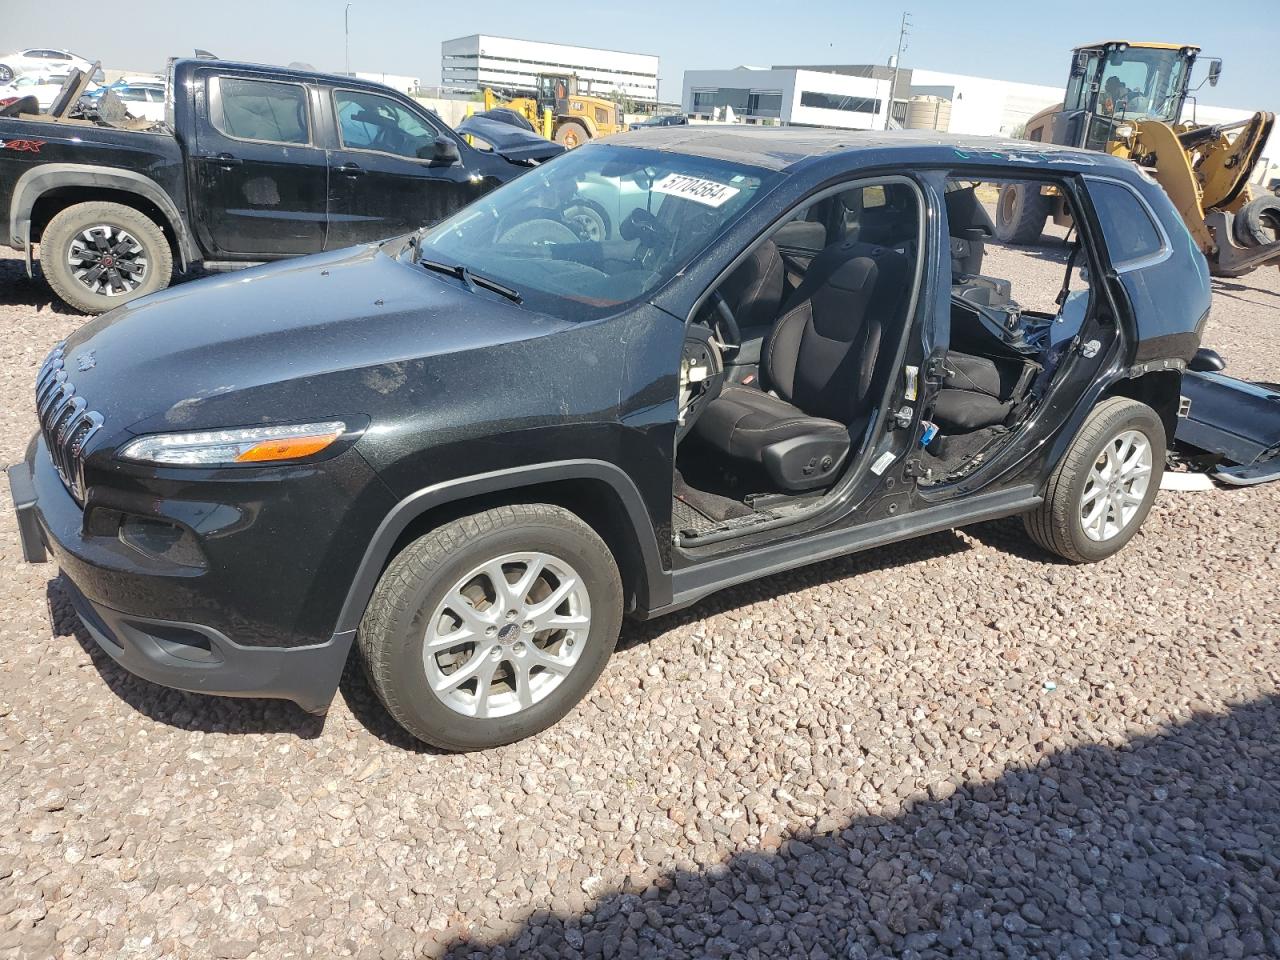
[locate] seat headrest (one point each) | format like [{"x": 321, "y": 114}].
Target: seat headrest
[
  {"x": 754, "y": 289},
  {"x": 849, "y": 279}
]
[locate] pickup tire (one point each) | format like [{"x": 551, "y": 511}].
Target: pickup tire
[
  {"x": 464, "y": 661},
  {"x": 1103, "y": 488},
  {"x": 98, "y": 255}
]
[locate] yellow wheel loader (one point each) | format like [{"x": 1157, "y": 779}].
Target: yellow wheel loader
[
  {"x": 1126, "y": 98},
  {"x": 559, "y": 112}
]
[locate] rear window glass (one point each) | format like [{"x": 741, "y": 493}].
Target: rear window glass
[
  {"x": 1129, "y": 232},
  {"x": 262, "y": 110}
]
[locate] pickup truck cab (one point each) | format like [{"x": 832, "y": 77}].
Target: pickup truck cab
[
  {"x": 475, "y": 449},
  {"x": 253, "y": 163}
]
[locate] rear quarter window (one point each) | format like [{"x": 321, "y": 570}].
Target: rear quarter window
[{"x": 1128, "y": 229}]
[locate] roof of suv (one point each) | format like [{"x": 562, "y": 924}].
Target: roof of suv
[{"x": 779, "y": 148}]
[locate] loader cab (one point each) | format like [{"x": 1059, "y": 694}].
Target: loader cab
[{"x": 1115, "y": 82}]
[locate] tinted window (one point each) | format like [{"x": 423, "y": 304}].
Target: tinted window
[
  {"x": 1127, "y": 226},
  {"x": 368, "y": 121},
  {"x": 263, "y": 110},
  {"x": 835, "y": 101}
]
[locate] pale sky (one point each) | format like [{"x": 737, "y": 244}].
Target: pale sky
[{"x": 1026, "y": 41}]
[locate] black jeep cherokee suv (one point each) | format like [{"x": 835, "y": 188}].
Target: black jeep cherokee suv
[{"x": 642, "y": 372}]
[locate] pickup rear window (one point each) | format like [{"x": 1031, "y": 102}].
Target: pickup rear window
[{"x": 262, "y": 110}]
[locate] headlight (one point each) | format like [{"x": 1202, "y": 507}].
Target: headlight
[{"x": 229, "y": 447}]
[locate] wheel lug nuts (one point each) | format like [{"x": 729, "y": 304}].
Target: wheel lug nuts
[
  {"x": 491, "y": 631},
  {"x": 495, "y": 654},
  {"x": 527, "y": 626}
]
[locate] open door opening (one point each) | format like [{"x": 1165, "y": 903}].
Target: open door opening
[{"x": 789, "y": 363}]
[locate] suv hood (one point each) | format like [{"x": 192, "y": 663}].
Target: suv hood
[{"x": 320, "y": 337}]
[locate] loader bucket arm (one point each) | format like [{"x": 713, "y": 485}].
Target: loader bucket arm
[{"x": 1225, "y": 165}]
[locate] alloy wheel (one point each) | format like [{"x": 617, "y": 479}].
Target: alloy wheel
[
  {"x": 1116, "y": 486},
  {"x": 506, "y": 635},
  {"x": 108, "y": 260}
]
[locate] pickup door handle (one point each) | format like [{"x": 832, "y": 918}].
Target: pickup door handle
[
  {"x": 224, "y": 160},
  {"x": 351, "y": 170}
]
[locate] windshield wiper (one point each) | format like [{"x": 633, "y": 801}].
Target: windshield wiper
[{"x": 472, "y": 280}]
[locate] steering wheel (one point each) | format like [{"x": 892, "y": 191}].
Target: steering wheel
[
  {"x": 650, "y": 235},
  {"x": 730, "y": 333}
]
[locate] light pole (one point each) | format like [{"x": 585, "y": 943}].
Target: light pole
[
  {"x": 897, "y": 59},
  {"x": 346, "y": 38}
]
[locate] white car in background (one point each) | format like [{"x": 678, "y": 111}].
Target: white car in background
[
  {"x": 44, "y": 89},
  {"x": 145, "y": 100},
  {"x": 41, "y": 61}
]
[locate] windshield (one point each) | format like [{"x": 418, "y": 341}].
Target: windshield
[
  {"x": 1142, "y": 83},
  {"x": 597, "y": 227}
]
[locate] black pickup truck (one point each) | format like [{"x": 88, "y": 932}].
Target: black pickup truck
[{"x": 253, "y": 163}]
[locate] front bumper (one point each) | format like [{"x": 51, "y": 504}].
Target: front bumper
[{"x": 183, "y": 655}]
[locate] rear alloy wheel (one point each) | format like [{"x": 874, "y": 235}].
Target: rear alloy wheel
[
  {"x": 6, "y": 73},
  {"x": 1103, "y": 488},
  {"x": 492, "y": 627},
  {"x": 99, "y": 255}
]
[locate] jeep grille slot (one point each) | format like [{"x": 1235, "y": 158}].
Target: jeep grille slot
[{"x": 65, "y": 421}]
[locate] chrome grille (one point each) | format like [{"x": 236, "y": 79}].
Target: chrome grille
[{"x": 65, "y": 421}]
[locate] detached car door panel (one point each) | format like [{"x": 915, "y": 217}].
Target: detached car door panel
[
  {"x": 260, "y": 181},
  {"x": 383, "y": 179}
]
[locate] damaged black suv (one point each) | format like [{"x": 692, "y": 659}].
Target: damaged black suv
[{"x": 647, "y": 370}]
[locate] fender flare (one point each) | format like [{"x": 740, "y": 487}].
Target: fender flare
[
  {"x": 655, "y": 592},
  {"x": 49, "y": 176}
]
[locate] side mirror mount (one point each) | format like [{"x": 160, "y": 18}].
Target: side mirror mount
[
  {"x": 445, "y": 151},
  {"x": 1215, "y": 71},
  {"x": 1207, "y": 361}
]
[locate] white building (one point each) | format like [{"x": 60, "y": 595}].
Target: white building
[
  {"x": 479, "y": 61},
  {"x": 982, "y": 106},
  {"x": 406, "y": 85},
  {"x": 787, "y": 95}
]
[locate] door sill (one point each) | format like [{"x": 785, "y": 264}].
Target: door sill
[{"x": 691, "y": 584}]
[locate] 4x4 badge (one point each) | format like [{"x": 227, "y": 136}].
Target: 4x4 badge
[{"x": 86, "y": 361}]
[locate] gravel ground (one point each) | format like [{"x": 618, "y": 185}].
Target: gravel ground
[{"x": 950, "y": 747}]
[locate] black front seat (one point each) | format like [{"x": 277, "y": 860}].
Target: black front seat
[{"x": 820, "y": 364}]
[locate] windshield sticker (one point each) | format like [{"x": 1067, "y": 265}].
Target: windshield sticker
[{"x": 707, "y": 192}]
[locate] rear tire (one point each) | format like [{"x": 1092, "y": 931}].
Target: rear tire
[
  {"x": 438, "y": 615},
  {"x": 1084, "y": 493},
  {"x": 572, "y": 134},
  {"x": 80, "y": 238},
  {"x": 1020, "y": 213},
  {"x": 1258, "y": 222}
]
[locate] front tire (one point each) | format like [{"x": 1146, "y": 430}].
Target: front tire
[
  {"x": 572, "y": 134},
  {"x": 1021, "y": 211},
  {"x": 1103, "y": 488},
  {"x": 99, "y": 255},
  {"x": 491, "y": 628}
]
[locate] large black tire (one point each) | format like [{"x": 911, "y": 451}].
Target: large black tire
[
  {"x": 421, "y": 580},
  {"x": 1258, "y": 223},
  {"x": 1057, "y": 524},
  {"x": 572, "y": 134},
  {"x": 127, "y": 239},
  {"x": 1021, "y": 212}
]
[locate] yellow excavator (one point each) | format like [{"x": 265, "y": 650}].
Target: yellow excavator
[
  {"x": 1126, "y": 98},
  {"x": 560, "y": 112}
]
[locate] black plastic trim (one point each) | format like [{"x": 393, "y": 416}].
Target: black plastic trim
[
  {"x": 654, "y": 592},
  {"x": 693, "y": 583},
  {"x": 23, "y": 492}
]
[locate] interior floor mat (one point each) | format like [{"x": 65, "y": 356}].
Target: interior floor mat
[
  {"x": 710, "y": 505},
  {"x": 689, "y": 521}
]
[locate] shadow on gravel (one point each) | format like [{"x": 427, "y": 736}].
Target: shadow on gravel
[
  {"x": 1223, "y": 286},
  {"x": 186, "y": 711},
  {"x": 1166, "y": 847},
  {"x": 19, "y": 290}
]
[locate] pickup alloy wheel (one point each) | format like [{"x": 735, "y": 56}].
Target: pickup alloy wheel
[
  {"x": 492, "y": 627},
  {"x": 98, "y": 255}
]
